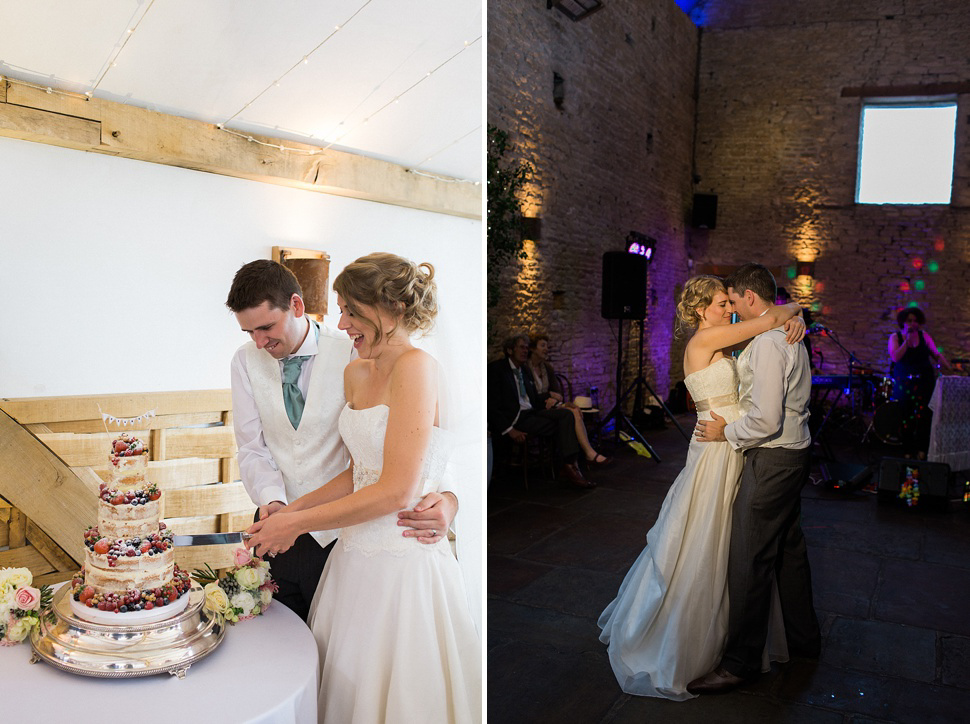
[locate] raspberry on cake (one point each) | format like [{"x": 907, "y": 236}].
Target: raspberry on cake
[{"x": 130, "y": 560}]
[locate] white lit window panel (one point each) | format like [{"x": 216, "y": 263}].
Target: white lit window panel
[{"x": 906, "y": 154}]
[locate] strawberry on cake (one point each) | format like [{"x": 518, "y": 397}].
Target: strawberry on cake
[{"x": 129, "y": 564}]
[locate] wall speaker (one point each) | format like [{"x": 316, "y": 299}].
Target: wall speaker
[
  {"x": 624, "y": 286},
  {"x": 704, "y": 211}
]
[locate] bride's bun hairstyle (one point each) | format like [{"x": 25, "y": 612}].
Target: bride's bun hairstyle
[
  {"x": 699, "y": 291},
  {"x": 404, "y": 290}
]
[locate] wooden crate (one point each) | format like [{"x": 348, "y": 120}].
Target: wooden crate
[{"x": 54, "y": 454}]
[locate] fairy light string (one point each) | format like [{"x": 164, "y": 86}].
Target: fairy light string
[
  {"x": 112, "y": 62},
  {"x": 303, "y": 61}
]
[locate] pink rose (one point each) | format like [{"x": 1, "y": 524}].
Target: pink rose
[
  {"x": 27, "y": 598},
  {"x": 242, "y": 556}
]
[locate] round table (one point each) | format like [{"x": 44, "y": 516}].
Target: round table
[{"x": 265, "y": 670}]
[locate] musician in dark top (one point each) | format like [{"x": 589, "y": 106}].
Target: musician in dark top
[{"x": 914, "y": 360}]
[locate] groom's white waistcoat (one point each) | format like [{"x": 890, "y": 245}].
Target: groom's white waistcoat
[
  {"x": 775, "y": 387},
  {"x": 311, "y": 455}
]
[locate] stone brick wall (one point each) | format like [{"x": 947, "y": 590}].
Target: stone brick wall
[
  {"x": 615, "y": 158},
  {"x": 774, "y": 139},
  {"x": 778, "y": 143}
]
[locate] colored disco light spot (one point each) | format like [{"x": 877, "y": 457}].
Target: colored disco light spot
[
  {"x": 819, "y": 286},
  {"x": 933, "y": 267},
  {"x": 912, "y": 304},
  {"x": 904, "y": 287},
  {"x": 816, "y": 306},
  {"x": 917, "y": 263},
  {"x": 919, "y": 285},
  {"x": 790, "y": 272},
  {"x": 938, "y": 245},
  {"x": 826, "y": 310}
]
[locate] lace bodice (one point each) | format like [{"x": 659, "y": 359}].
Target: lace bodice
[
  {"x": 715, "y": 387},
  {"x": 363, "y": 433}
]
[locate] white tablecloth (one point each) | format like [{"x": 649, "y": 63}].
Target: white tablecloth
[
  {"x": 265, "y": 671},
  {"x": 950, "y": 431}
]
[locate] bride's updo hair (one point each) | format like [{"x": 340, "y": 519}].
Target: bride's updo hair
[
  {"x": 404, "y": 290},
  {"x": 699, "y": 291}
]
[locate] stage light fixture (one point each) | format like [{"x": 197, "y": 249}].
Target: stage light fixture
[{"x": 637, "y": 243}]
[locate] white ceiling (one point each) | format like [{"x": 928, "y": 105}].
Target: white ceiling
[{"x": 400, "y": 80}]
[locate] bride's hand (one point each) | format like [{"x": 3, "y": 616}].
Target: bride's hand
[
  {"x": 272, "y": 535},
  {"x": 794, "y": 330}
]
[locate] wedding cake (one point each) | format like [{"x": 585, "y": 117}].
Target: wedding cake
[{"x": 129, "y": 564}]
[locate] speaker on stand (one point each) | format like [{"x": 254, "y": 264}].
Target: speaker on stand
[{"x": 625, "y": 297}]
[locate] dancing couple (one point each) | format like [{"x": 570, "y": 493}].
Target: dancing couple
[
  {"x": 356, "y": 521},
  {"x": 723, "y": 586}
]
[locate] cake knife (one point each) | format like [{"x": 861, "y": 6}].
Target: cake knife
[{"x": 210, "y": 539}]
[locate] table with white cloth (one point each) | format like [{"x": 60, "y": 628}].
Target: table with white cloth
[
  {"x": 950, "y": 431},
  {"x": 265, "y": 671}
]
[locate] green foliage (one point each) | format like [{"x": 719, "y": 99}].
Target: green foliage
[
  {"x": 205, "y": 576},
  {"x": 506, "y": 179}
]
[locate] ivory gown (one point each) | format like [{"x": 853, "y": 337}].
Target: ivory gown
[{"x": 397, "y": 641}]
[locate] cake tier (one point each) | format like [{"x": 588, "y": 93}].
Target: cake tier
[
  {"x": 129, "y": 573},
  {"x": 128, "y": 521},
  {"x": 128, "y": 472}
]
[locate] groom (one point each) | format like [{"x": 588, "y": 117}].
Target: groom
[
  {"x": 287, "y": 393},
  {"x": 766, "y": 537}
]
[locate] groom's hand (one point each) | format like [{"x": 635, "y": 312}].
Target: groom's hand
[
  {"x": 265, "y": 511},
  {"x": 430, "y": 519},
  {"x": 711, "y": 430}
]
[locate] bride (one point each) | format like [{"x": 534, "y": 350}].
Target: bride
[
  {"x": 668, "y": 623},
  {"x": 397, "y": 640}
]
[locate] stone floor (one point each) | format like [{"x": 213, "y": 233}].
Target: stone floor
[{"x": 892, "y": 590}]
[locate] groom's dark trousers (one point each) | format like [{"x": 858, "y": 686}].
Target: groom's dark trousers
[
  {"x": 766, "y": 537},
  {"x": 297, "y": 572}
]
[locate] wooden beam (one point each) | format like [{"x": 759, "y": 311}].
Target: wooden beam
[
  {"x": 888, "y": 91},
  {"x": 44, "y": 488},
  {"x": 28, "y": 410},
  {"x": 49, "y": 549},
  {"x": 118, "y": 129}
]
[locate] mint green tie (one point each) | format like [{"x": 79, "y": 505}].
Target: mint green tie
[{"x": 292, "y": 397}]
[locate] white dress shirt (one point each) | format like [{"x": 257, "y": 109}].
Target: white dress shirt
[{"x": 775, "y": 387}]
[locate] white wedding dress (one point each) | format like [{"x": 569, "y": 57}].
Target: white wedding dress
[
  {"x": 397, "y": 641},
  {"x": 668, "y": 623}
]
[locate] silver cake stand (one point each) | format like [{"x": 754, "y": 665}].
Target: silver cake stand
[{"x": 125, "y": 651}]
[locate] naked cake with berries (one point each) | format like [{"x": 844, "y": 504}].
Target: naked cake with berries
[{"x": 129, "y": 566}]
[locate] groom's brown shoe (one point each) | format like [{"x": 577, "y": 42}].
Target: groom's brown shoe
[{"x": 719, "y": 681}]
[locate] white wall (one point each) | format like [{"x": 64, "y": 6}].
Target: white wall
[{"x": 114, "y": 273}]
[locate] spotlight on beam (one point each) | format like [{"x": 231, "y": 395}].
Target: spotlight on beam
[{"x": 637, "y": 243}]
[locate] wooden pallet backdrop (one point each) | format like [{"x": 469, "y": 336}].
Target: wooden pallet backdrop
[{"x": 54, "y": 454}]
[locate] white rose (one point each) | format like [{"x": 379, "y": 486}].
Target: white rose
[
  {"x": 245, "y": 601},
  {"x": 19, "y": 628},
  {"x": 265, "y": 596},
  {"x": 248, "y": 578},
  {"x": 15, "y": 577},
  {"x": 215, "y": 598},
  {"x": 6, "y": 602},
  {"x": 262, "y": 574}
]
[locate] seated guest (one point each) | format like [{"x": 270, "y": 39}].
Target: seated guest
[
  {"x": 516, "y": 410},
  {"x": 551, "y": 393},
  {"x": 914, "y": 360}
]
